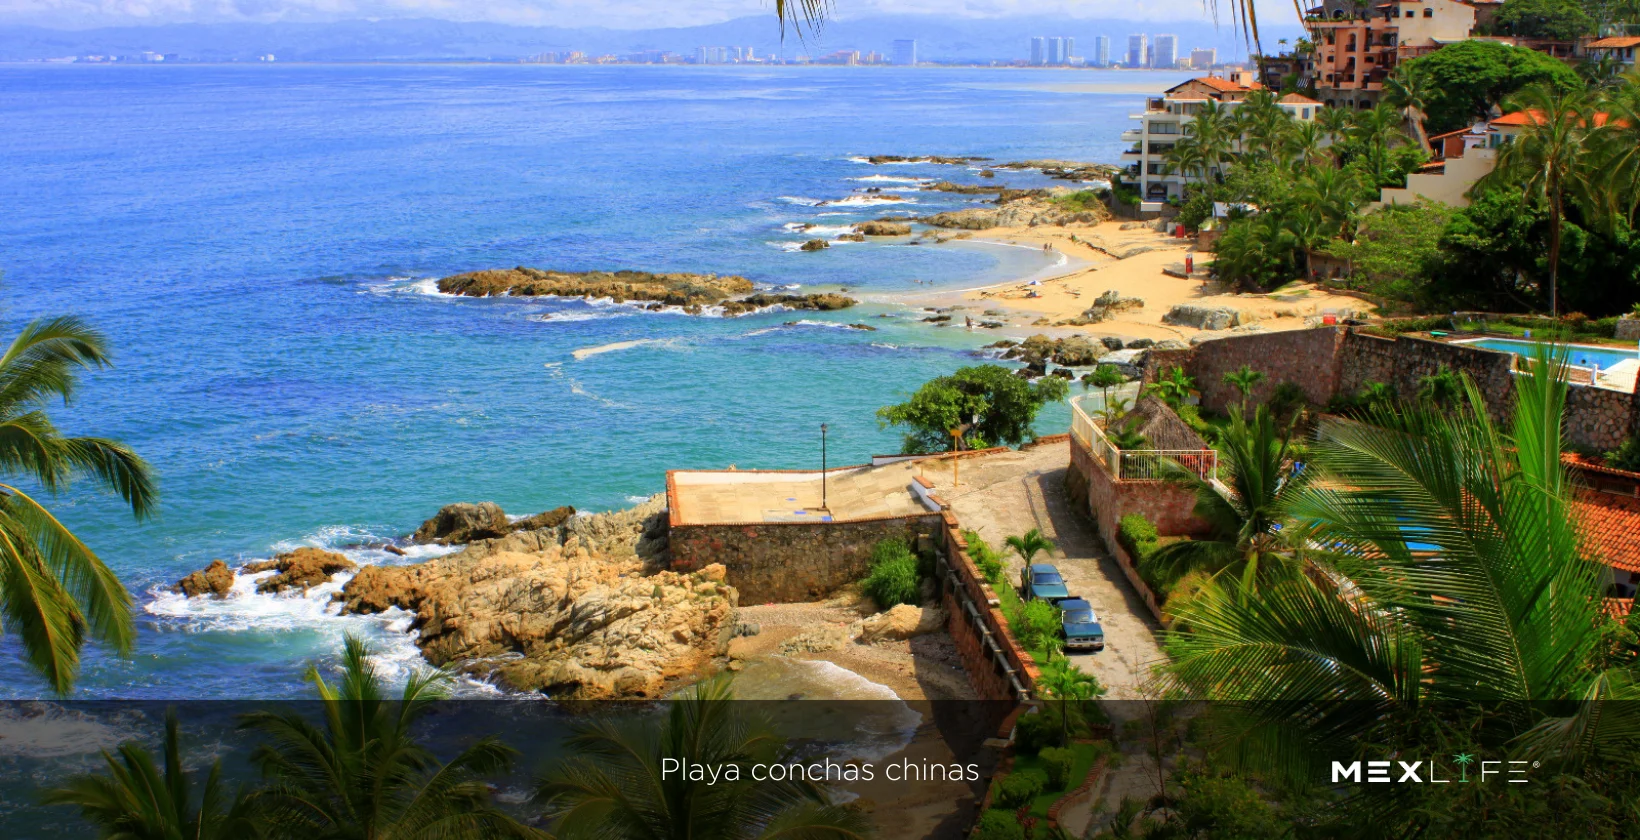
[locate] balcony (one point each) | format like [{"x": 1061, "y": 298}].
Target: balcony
[{"x": 1132, "y": 135}]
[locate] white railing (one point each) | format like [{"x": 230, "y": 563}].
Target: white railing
[{"x": 1138, "y": 464}]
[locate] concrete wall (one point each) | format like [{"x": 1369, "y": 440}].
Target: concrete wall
[
  {"x": 791, "y": 561},
  {"x": 1401, "y": 362},
  {"x": 1307, "y": 358}
]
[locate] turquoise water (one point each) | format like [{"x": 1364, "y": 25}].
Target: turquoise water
[
  {"x": 1582, "y": 355},
  {"x": 258, "y": 244}
]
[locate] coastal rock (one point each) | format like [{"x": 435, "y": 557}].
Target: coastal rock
[
  {"x": 1037, "y": 349},
  {"x": 1129, "y": 362},
  {"x": 1017, "y": 212},
  {"x": 821, "y": 302},
  {"x": 214, "y": 580},
  {"x": 546, "y": 519},
  {"x": 1111, "y": 342},
  {"x": 1106, "y": 305},
  {"x": 463, "y": 523},
  {"x": 901, "y": 622},
  {"x": 1077, "y": 351},
  {"x": 883, "y": 228},
  {"x": 851, "y": 237},
  {"x": 1202, "y": 317},
  {"x": 815, "y": 245},
  {"x": 1170, "y": 344},
  {"x": 1141, "y": 343},
  {"x": 582, "y": 610},
  {"x": 943, "y": 159},
  {"x": 620, "y": 286},
  {"x": 301, "y": 569}
]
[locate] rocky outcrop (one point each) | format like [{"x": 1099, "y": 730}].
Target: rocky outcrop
[
  {"x": 546, "y": 519},
  {"x": 669, "y": 289},
  {"x": 901, "y": 622},
  {"x": 883, "y": 228},
  {"x": 578, "y": 610},
  {"x": 1129, "y": 362},
  {"x": 1026, "y": 212},
  {"x": 693, "y": 292},
  {"x": 1077, "y": 351},
  {"x": 1036, "y": 351},
  {"x": 1104, "y": 307},
  {"x": 822, "y": 302},
  {"x": 214, "y": 580},
  {"x": 1066, "y": 170},
  {"x": 1202, "y": 317},
  {"x": 300, "y": 569},
  {"x": 463, "y": 523},
  {"x": 944, "y": 159},
  {"x": 814, "y": 245}
]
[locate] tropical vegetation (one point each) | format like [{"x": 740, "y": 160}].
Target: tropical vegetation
[{"x": 989, "y": 404}]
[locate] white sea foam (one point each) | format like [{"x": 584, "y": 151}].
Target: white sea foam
[
  {"x": 818, "y": 230},
  {"x": 892, "y": 179},
  {"x": 797, "y": 199},
  {"x": 885, "y": 345},
  {"x": 830, "y": 325},
  {"x": 41, "y": 729},
  {"x": 867, "y": 200}
]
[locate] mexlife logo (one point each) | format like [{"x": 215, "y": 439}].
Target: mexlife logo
[{"x": 1431, "y": 772}]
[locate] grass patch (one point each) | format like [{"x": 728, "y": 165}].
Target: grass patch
[{"x": 1085, "y": 756}]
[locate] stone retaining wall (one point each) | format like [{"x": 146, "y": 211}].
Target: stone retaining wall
[{"x": 791, "y": 561}]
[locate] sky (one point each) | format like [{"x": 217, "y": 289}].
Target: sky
[{"x": 615, "y": 14}]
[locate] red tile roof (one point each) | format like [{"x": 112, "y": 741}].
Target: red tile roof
[
  {"x": 1586, "y": 463},
  {"x": 1612, "y": 526},
  {"x": 1616, "y": 42},
  {"x": 1534, "y": 117},
  {"x": 1218, "y": 83},
  {"x": 1297, "y": 99},
  {"x": 1619, "y": 607}
]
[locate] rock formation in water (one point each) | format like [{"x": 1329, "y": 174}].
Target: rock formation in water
[
  {"x": 302, "y": 568},
  {"x": 584, "y": 609},
  {"x": 883, "y": 228},
  {"x": 943, "y": 159},
  {"x": 463, "y": 523},
  {"x": 214, "y": 580},
  {"x": 1019, "y": 211},
  {"x": 692, "y": 292},
  {"x": 815, "y": 245}
]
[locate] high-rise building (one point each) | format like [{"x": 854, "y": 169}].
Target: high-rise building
[
  {"x": 1136, "y": 51},
  {"x": 1039, "y": 51},
  {"x": 1167, "y": 52},
  {"x": 1060, "y": 49},
  {"x": 1201, "y": 59},
  {"x": 1101, "y": 51},
  {"x": 1150, "y": 56},
  {"x": 905, "y": 53},
  {"x": 711, "y": 55}
]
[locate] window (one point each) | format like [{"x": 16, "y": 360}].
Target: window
[
  {"x": 1153, "y": 168},
  {"x": 1411, "y": 13},
  {"x": 1164, "y": 128},
  {"x": 1306, "y": 113},
  {"x": 1429, "y": 13}
]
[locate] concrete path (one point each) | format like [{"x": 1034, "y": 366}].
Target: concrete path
[{"x": 1008, "y": 494}]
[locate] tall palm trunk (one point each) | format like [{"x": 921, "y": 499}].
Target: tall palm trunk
[{"x": 1554, "y": 250}]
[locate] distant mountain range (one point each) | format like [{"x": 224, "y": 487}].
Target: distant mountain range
[{"x": 938, "y": 39}]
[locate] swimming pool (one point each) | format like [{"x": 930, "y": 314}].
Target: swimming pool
[{"x": 1581, "y": 355}]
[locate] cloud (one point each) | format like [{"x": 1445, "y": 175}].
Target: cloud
[{"x": 614, "y": 14}]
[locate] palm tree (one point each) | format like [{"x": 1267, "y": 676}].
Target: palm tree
[
  {"x": 137, "y": 800},
  {"x": 1443, "y": 388},
  {"x": 1408, "y": 88},
  {"x": 1550, "y": 159},
  {"x": 1028, "y": 544},
  {"x": 363, "y": 776},
  {"x": 1305, "y": 145},
  {"x": 1174, "y": 388},
  {"x": 614, "y": 787},
  {"x": 1455, "y": 586},
  {"x": 1105, "y": 377},
  {"x": 1125, "y": 434},
  {"x": 1337, "y": 122},
  {"x": 1211, "y": 131},
  {"x": 1244, "y": 379},
  {"x": 1066, "y": 682},
  {"x": 1334, "y": 195},
  {"x": 54, "y": 590},
  {"x": 1186, "y": 159},
  {"x": 1250, "y": 523}
]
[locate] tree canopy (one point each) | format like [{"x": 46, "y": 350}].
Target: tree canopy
[
  {"x": 1562, "y": 20},
  {"x": 1468, "y": 78},
  {"x": 1005, "y": 404}
]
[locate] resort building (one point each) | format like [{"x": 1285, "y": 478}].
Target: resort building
[
  {"x": 1358, "y": 45},
  {"x": 1620, "y": 48},
  {"x": 1166, "y": 119},
  {"x": 1460, "y": 159}
]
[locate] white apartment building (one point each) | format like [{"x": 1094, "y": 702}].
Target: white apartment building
[
  {"x": 1165, "y": 120},
  {"x": 1136, "y": 51},
  {"x": 1166, "y": 52},
  {"x": 1101, "y": 51}
]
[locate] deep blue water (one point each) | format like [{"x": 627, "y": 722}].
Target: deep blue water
[{"x": 257, "y": 244}]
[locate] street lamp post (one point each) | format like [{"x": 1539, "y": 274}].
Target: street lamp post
[{"x": 823, "y": 505}]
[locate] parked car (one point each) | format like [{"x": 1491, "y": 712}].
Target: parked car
[
  {"x": 1042, "y": 580},
  {"x": 1081, "y": 625}
]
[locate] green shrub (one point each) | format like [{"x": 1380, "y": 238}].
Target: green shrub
[
  {"x": 1136, "y": 534},
  {"x": 1080, "y": 200},
  {"x": 999, "y": 825},
  {"x": 1041, "y": 622},
  {"x": 1017, "y": 789},
  {"x": 893, "y": 579},
  {"x": 1032, "y": 733},
  {"x": 1287, "y": 399},
  {"x": 986, "y": 558},
  {"x": 1058, "y": 762},
  {"x": 1192, "y": 417},
  {"x": 1626, "y": 456}
]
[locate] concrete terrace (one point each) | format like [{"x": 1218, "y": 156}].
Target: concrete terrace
[{"x": 702, "y": 497}]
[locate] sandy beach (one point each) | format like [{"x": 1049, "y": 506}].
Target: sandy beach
[{"x": 1132, "y": 259}]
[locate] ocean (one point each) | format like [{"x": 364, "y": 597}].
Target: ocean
[{"x": 259, "y": 245}]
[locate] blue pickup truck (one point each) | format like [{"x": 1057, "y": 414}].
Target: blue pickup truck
[
  {"x": 1042, "y": 580},
  {"x": 1081, "y": 626}
]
